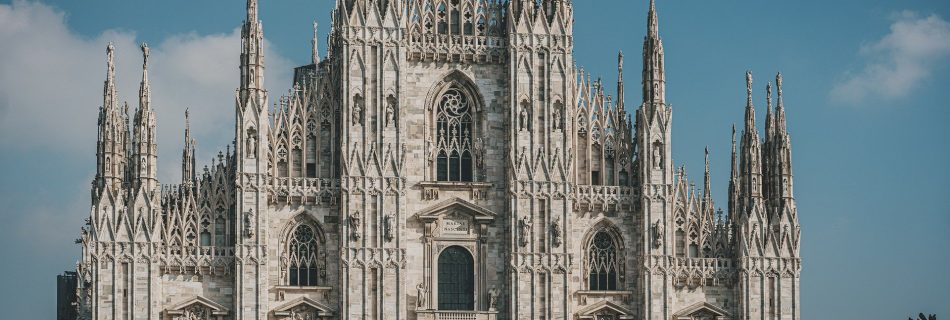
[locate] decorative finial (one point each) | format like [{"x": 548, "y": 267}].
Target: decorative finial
[
  {"x": 748, "y": 82},
  {"x": 145, "y": 54},
  {"x": 778, "y": 82},
  {"x": 110, "y": 59},
  {"x": 620, "y": 59},
  {"x": 768, "y": 95}
]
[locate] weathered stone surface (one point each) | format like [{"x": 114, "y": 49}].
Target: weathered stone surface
[{"x": 442, "y": 156}]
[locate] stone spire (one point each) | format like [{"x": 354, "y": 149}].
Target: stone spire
[
  {"x": 734, "y": 180},
  {"x": 111, "y": 98},
  {"x": 750, "y": 158},
  {"x": 188, "y": 154},
  {"x": 111, "y": 145},
  {"x": 707, "y": 190},
  {"x": 769, "y": 117},
  {"x": 782, "y": 149},
  {"x": 780, "y": 124},
  {"x": 652, "y": 23},
  {"x": 315, "y": 52},
  {"x": 654, "y": 72},
  {"x": 252, "y": 54},
  {"x": 620, "y": 93},
  {"x": 144, "y": 151},
  {"x": 767, "y": 144}
]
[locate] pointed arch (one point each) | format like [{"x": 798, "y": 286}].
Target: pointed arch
[
  {"x": 456, "y": 126},
  {"x": 604, "y": 257},
  {"x": 303, "y": 245}
]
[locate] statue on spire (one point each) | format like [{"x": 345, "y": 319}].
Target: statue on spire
[
  {"x": 748, "y": 82},
  {"x": 145, "y": 54}
]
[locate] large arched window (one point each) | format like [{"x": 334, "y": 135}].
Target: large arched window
[
  {"x": 454, "y": 136},
  {"x": 603, "y": 262},
  {"x": 302, "y": 257},
  {"x": 456, "y": 279}
]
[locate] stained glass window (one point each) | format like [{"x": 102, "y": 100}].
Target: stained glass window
[
  {"x": 302, "y": 257},
  {"x": 454, "y": 127},
  {"x": 603, "y": 262},
  {"x": 456, "y": 280}
]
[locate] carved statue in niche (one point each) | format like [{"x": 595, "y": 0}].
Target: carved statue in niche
[
  {"x": 523, "y": 116},
  {"x": 249, "y": 223},
  {"x": 556, "y": 232},
  {"x": 391, "y": 113},
  {"x": 657, "y": 156},
  {"x": 492, "y": 298},
  {"x": 358, "y": 110},
  {"x": 355, "y": 225},
  {"x": 421, "y": 292},
  {"x": 388, "y": 222},
  {"x": 657, "y": 234},
  {"x": 556, "y": 117},
  {"x": 251, "y": 149},
  {"x": 525, "y": 229},
  {"x": 430, "y": 148}
]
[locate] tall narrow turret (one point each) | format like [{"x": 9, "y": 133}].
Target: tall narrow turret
[
  {"x": 750, "y": 158},
  {"x": 144, "y": 156},
  {"x": 654, "y": 72},
  {"x": 111, "y": 144},
  {"x": 252, "y": 54},
  {"x": 188, "y": 155}
]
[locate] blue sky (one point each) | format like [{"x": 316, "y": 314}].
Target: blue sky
[{"x": 865, "y": 90}]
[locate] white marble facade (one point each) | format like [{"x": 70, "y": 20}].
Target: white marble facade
[{"x": 444, "y": 160}]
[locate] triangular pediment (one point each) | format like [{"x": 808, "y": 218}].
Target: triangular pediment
[
  {"x": 604, "y": 307},
  {"x": 303, "y": 305},
  {"x": 198, "y": 303},
  {"x": 457, "y": 206},
  {"x": 701, "y": 308}
]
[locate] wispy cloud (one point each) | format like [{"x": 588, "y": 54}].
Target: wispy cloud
[
  {"x": 898, "y": 62},
  {"x": 51, "y": 83}
]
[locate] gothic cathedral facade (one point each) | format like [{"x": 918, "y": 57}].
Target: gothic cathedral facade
[{"x": 445, "y": 159}]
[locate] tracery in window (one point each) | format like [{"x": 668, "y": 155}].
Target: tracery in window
[
  {"x": 454, "y": 130},
  {"x": 302, "y": 257},
  {"x": 603, "y": 262}
]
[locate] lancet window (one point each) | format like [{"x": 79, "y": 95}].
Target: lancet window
[
  {"x": 454, "y": 136},
  {"x": 604, "y": 262},
  {"x": 302, "y": 257}
]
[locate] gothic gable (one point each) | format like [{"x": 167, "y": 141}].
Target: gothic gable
[
  {"x": 604, "y": 310},
  {"x": 457, "y": 206},
  {"x": 197, "y": 308},
  {"x": 303, "y": 308},
  {"x": 701, "y": 311}
]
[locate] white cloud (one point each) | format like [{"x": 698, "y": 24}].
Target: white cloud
[
  {"x": 51, "y": 84},
  {"x": 899, "y": 61}
]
